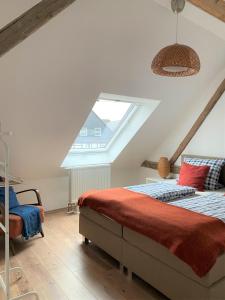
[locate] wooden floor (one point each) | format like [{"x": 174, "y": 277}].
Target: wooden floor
[{"x": 61, "y": 267}]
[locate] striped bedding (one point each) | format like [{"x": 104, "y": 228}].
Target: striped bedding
[
  {"x": 212, "y": 205},
  {"x": 163, "y": 191}
]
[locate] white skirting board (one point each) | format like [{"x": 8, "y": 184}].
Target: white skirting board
[{"x": 83, "y": 179}]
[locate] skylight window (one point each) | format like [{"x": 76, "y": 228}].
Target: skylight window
[
  {"x": 102, "y": 125},
  {"x": 112, "y": 123}
]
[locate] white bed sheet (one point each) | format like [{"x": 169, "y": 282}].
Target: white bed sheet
[{"x": 219, "y": 192}]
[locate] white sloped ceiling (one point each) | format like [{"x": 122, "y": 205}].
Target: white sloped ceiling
[
  {"x": 49, "y": 82},
  {"x": 12, "y": 9}
]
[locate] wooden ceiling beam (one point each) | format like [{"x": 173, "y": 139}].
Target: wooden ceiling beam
[
  {"x": 202, "y": 117},
  {"x": 23, "y": 26},
  {"x": 154, "y": 165},
  {"x": 215, "y": 8},
  {"x": 212, "y": 102}
]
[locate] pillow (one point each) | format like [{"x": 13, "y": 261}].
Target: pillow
[
  {"x": 212, "y": 180},
  {"x": 193, "y": 176},
  {"x": 13, "y": 202}
]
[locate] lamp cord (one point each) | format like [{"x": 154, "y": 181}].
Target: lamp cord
[{"x": 177, "y": 28}]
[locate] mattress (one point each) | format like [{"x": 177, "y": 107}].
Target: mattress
[{"x": 163, "y": 191}]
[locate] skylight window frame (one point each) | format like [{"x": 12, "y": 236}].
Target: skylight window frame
[
  {"x": 130, "y": 112},
  {"x": 144, "y": 108},
  {"x": 133, "y": 108}
]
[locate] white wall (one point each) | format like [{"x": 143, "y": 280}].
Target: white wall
[
  {"x": 51, "y": 80},
  {"x": 210, "y": 138},
  {"x": 12, "y": 9},
  {"x": 124, "y": 176},
  {"x": 54, "y": 191},
  {"x": 209, "y": 141}
]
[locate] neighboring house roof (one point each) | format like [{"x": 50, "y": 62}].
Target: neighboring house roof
[{"x": 93, "y": 121}]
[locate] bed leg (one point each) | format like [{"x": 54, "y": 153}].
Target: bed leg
[
  {"x": 129, "y": 275},
  {"x": 86, "y": 241},
  {"x": 121, "y": 268}
]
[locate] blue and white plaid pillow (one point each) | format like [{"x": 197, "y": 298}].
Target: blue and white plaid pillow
[
  {"x": 163, "y": 191},
  {"x": 212, "y": 180}
]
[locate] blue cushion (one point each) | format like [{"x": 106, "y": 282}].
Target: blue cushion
[{"x": 13, "y": 202}]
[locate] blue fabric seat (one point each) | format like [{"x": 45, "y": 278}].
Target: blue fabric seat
[{"x": 24, "y": 219}]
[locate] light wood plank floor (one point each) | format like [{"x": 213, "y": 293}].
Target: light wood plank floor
[{"x": 61, "y": 267}]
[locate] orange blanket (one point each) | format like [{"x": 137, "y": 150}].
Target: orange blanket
[{"x": 195, "y": 238}]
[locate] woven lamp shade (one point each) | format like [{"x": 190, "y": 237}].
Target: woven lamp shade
[{"x": 176, "y": 61}]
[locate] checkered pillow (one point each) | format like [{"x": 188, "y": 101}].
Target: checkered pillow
[
  {"x": 163, "y": 191},
  {"x": 212, "y": 180}
]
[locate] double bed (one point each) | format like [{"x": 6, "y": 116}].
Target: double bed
[{"x": 153, "y": 262}]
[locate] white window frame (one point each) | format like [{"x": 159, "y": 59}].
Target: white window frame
[
  {"x": 136, "y": 117},
  {"x": 97, "y": 131},
  {"x": 85, "y": 130},
  {"x": 134, "y": 108}
]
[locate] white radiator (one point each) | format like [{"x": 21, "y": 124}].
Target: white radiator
[{"x": 86, "y": 178}]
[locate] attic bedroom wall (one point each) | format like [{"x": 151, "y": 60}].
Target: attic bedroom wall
[
  {"x": 50, "y": 82},
  {"x": 55, "y": 190},
  {"x": 11, "y": 9},
  {"x": 209, "y": 139}
]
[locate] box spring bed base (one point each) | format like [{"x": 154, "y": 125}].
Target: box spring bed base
[{"x": 154, "y": 264}]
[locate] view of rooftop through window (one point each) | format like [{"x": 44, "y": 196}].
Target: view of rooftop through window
[{"x": 102, "y": 124}]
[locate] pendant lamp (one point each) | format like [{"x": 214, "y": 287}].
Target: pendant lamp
[{"x": 176, "y": 60}]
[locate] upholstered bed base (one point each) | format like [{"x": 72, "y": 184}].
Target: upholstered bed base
[
  {"x": 107, "y": 240},
  {"x": 151, "y": 261}
]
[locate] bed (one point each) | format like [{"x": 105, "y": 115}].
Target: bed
[{"x": 152, "y": 261}]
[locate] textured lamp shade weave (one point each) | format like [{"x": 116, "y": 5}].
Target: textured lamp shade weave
[{"x": 176, "y": 61}]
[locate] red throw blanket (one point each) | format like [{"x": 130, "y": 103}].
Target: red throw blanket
[{"x": 195, "y": 238}]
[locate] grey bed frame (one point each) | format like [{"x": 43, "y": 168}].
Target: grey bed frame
[{"x": 151, "y": 261}]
